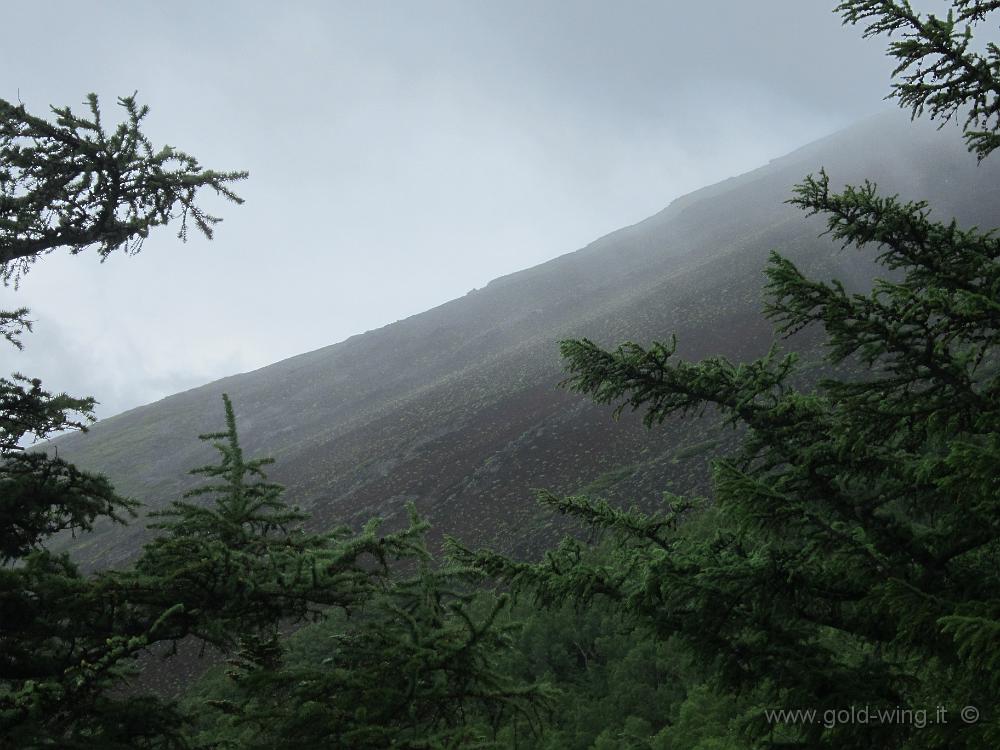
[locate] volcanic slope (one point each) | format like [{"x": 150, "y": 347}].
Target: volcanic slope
[{"x": 458, "y": 409}]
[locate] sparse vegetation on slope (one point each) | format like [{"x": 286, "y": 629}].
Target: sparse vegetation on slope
[{"x": 362, "y": 427}]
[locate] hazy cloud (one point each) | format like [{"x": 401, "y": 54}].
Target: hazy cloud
[{"x": 400, "y": 155}]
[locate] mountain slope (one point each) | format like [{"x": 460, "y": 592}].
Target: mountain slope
[{"x": 457, "y": 408}]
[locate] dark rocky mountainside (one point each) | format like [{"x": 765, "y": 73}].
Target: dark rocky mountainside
[{"x": 458, "y": 408}]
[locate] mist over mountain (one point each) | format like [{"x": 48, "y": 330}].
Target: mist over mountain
[{"x": 458, "y": 408}]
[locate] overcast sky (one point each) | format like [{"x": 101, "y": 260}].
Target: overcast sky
[{"x": 400, "y": 154}]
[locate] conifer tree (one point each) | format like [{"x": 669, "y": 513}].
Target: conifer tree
[
  {"x": 72, "y": 184},
  {"x": 418, "y": 666},
  {"x": 234, "y": 554},
  {"x": 232, "y": 565},
  {"x": 855, "y": 559},
  {"x": 412, "y": 666},
  {"x": 65, "y": 639}
]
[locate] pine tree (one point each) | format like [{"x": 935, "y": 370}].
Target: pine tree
[
  {"x": 411, "y": 666},
  {"x": 858, "y": 529},
  {"x": 232, "y": 566},
  {"x": 66, "y": 640},
  {"x": 235, "y": 556},
  {"x": 417, "y": 666}
]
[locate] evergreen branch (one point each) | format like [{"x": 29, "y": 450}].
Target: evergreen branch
[
  {"x": 939, "y": 72},
  {"x": 13, "y": 324},
  {"x": 638, "y": 377},
  {"x": 599, "y": 514},
  {"x": 71, "y": 184},
  {"x": 28, "y": 409}
]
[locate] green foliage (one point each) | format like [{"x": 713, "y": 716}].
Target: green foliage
[
  {"x": 411, "y": 667},
  {"x": 939, "y": 72},
  {"x": 28, "y": 409},
  {"x": 244, "y": 559},
  {"x": 853, "y": 563},
  {"x": 848, "y": 557},
  {"x": 13, "y": 324},
  {"x": 415, "y": 667},
  {"x": 232, "y": 565},
  {"x": 619, "y": 684},
  {"x": 41, "y": 496},
  {"x": 73, "y": 184},
  {"x": 69, "y": 640}
]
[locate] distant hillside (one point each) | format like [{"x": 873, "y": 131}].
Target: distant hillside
[{"x": 458, "y": 408}]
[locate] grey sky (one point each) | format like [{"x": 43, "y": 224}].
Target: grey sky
[{"x": 401, "y": 154}]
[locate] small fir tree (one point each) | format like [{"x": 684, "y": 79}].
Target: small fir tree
[
  {"x": 413, "y": 666},
  {"x": 242, "y": 565}
]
